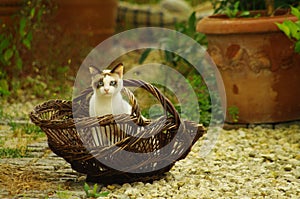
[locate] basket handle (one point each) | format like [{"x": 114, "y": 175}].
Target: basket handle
[
  {"x": 135, "y": 107},
  {"x": 165, "y": 102}
]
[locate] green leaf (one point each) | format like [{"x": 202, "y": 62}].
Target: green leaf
[
  {"x": 295, "y": 11},
  {"x": 102, "y": 194},
  {"x": 39, "y": 15},
  {"x": 236, "y": 9},
  {"x": 27, "y": 40},
  {"x": 86, "y": 188},
  {"x": 192, "y": 22},
  {"x": 169, "y": 56},
  {"x": 4, "y": 44},
  {"x": 284, "y": 29},
  {"x": 26, "y": 43},
  {"x": 180, "y": 27},
  {"x": 236, "y": 5},
  {"x": 297, "y": 47},
  {"x": 32, "y": 13},
  {"x": 4, "y": 88},
  {"x": 29, "y": 36},
  {"x": 294, "y": 29},
  {"x": 244, "y": 14},
  {"x": 144, "y": 55},
  {"x": 23, "y": 22},
  {"x": 19, "y": 62},
  {"x": 95, "y": 188},
  {"x": 8, "y": 54}
]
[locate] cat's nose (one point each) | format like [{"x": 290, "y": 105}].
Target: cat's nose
[{"x": 106, "y": 90}]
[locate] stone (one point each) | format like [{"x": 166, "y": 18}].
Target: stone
[{"x": 288, "y": 167}]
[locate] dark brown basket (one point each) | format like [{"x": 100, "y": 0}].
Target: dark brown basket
[{"x": 144, "y": 149}]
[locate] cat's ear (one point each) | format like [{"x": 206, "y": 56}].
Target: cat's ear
[
  {"x": 118, "y": 69},
  {"x": 93, "y": 70}
]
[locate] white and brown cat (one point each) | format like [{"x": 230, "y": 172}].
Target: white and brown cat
[{"x": 107, "y": 97}]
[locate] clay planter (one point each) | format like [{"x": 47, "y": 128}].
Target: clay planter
[
  {"x": 93, "y": 20},
  {"x": 9, "y": 8},
  {"x": 260, "y": 70}
]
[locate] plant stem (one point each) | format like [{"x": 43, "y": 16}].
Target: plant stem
[{"x": 270, "y": 7}]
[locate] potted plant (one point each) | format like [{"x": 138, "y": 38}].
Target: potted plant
[{"x": 257, "y": 61}]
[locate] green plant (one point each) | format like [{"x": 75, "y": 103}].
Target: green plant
[
  {"x": 292, "y": 29},
  {"x": 270, "y": 5},
  {"x": 191, "y": 2},
  {"x": 142, "y": 1},
  {"x": 188, "y": 28},
  {"x": 93, "y": 193},
  {"x": 13, "y": 152},
  {"x": 63, "y": 194},
  {"x": 19, "y": 37},
  {"x": 4, "y": 87},
  {"x": 184, "y": 67},
  {"x": 234, "y": 113},
  {"x": 234, "y": 11},
  {"x": 16, "y": 40}
]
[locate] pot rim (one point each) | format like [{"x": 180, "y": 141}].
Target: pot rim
[{"x": 221, "y": 24}]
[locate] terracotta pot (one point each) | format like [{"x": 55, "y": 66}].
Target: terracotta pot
[
  {"x": 259, "y": 67},
  {"x": 93, "y": 20},
  {"x": 9, "y": 8}
]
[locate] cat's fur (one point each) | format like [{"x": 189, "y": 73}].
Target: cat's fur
[{"x": 106, "y": 99}]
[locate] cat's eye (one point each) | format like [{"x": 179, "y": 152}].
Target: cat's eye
[
  {"x": 112, "y": 83},
  {"x": 101, "y": 83}
]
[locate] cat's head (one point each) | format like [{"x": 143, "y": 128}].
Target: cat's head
[{"x": 107, "y": 82}]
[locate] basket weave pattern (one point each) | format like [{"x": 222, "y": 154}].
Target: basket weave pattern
[{"x": 160, "y": 142}]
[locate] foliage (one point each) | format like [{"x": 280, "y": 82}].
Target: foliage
[
  {"x": 189, "y": 29},
  {"x": 221, "y": 5},
  {"x": 234, "y": 113},
  {"x": 17, "y": 135},
  {"x": 292, "y": 29},
  {"x": 17, "y": 39},
  {"x": 93, "y": 193},
  {"x": 233, "y": 12},
  {"x": 191, "y": 2},
  {"x": 142, "y": 1},
  {"x": 63, "y": 194},
  {"x": 32, "y": 63},
  {"x": 4, "y": 87},
  {"x": 13, "y": 152},
  {"x": 184, "y": 67}
]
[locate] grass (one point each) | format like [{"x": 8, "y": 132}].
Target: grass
[
  {"x": 16, "y": 136},
  {"x": 13, "y": 153}
]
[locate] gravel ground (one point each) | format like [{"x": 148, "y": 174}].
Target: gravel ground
[{"x": 245, "y": 163}]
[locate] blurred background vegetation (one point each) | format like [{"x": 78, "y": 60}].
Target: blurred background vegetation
[
  {"x": 39, "y": 61},
  {"x": 36, "y": 59}
]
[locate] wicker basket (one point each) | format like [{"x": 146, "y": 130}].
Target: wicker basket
[{"x": 151, "y": 147}]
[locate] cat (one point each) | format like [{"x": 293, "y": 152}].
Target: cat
[{"x": 107, "y": 98}]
